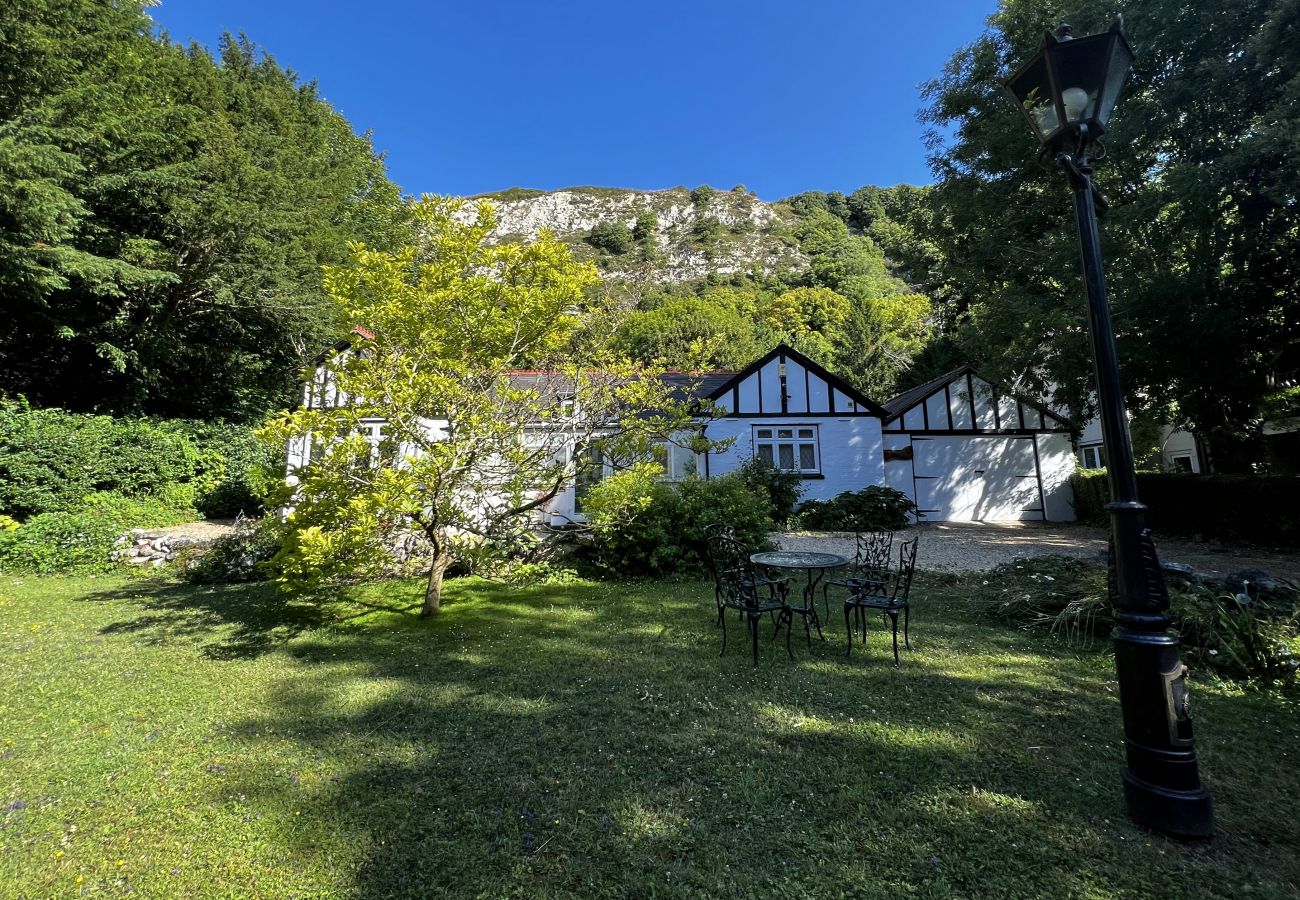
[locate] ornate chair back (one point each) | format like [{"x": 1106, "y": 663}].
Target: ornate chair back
[
  {"x": 733, "y": 573},
  {"x": 871, "y": 558},
  {"x": 906, "y": 569}
]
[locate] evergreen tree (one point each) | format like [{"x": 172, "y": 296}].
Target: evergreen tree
[{"x": 164, "y": 215}]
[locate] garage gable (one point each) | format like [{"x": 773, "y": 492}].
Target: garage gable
[{"x": 962, "y": 402}]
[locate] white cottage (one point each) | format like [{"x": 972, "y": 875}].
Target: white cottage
[{"x": 960, "y": 447}]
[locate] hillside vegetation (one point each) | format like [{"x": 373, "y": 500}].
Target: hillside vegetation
[{"x": 712, "y": 279}]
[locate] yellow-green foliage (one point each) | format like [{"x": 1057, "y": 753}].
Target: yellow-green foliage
[{"x": 452, "y": 318}]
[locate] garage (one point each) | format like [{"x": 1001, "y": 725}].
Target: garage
[{"x": 966, "y": 450}]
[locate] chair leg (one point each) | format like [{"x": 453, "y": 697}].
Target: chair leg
[
  {"x": 893, "y": 618},
  {"x": 723, "y": 619},
  {"x": 907, "y": 616},
  {"x": 753, "y": 627},
  {"x": 848, "y": 630}
]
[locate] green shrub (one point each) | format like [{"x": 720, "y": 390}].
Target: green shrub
[
  {"x": 1237, "y": 635},
  {"x": 781, "y": 488},
  {"x": 706, "y": 230},
  {"x": 233, "y": 468},
  {"x": 612, "y": 237},
  {"x": 1091, "y": 494},
  {"x": 241, "y": 556},
  {"x": 873, "y": 508},
  {"x": 71, "y": 542},
  {"x": 701, "y": 195},
  {"x": 647, "y": 225},
  {"x": 50, "y": 459},
  {"x": 646, "y": 527}
]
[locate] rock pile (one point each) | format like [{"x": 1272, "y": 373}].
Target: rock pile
[{"x": 139, "y": 547}]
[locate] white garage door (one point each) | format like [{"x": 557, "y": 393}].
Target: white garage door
[{"x": 968, "y": 479}]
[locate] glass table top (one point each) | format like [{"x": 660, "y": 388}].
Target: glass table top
[{"x": 798, "y": 559}]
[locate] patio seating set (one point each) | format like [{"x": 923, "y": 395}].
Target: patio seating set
[{"x": 876, "y": 580}]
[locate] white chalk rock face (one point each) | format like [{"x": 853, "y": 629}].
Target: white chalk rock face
[{"x": 750, "y": 235}]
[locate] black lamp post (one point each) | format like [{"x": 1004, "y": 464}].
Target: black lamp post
[{"x": 1067, "y": 92}]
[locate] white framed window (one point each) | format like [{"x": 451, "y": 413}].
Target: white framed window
[
  {"x": 1093, "y": 457},
  {"x": 679, "y": 463},
  {"x": 1181, "y": 462},
  {"x": 795, "y": 448}
]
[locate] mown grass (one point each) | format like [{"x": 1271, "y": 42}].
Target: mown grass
[{"x": 585, "y": 740}]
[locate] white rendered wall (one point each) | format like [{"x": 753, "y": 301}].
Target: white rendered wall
[
  {"x": 1173, "y": 442},
  {"x": 852, "y": 450}
]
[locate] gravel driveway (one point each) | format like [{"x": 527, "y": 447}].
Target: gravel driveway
[{"x": 978, "y": 546}]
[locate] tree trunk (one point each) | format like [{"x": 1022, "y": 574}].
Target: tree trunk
[{"x": 433, "y": 593}]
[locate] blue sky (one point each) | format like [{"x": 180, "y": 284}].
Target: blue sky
[{"x": 479, "y": 95}]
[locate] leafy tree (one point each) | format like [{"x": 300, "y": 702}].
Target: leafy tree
[
  {"x": 164, "y": 215},
  {"x": 682, "y": 332},
  {"x": 706, "y": 230},
  {"x": 460, "y": 461},
  {"x": 1202, "y": 248},
  {"x": 612, "y": 237},
  {"x": 808, "y": 203},
  {"x": 808, "y": 318}
]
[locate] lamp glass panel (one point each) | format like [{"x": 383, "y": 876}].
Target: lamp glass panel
[
  {"x": 1121, "y": 60},
  {"x": 1080, "y": 73},
  {"x": 1033, "y": 91}
]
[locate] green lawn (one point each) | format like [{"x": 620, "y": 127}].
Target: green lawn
[{"x": 588, "y": 740}]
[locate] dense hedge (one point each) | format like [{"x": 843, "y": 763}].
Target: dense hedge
[
  {"x": 51, "y": 460},
  {"x": 1258, "y": 509}
]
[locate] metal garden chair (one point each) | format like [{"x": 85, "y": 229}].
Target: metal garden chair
[
  {"x": 890, "y": 598},
  {"x": 737, "y": 585},
  {"x": 869, "y": 570}
]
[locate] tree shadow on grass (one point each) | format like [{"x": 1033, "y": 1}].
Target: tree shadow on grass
[
  {"x": 589, "y": 740},
  {"x": 229, "y": 621}
]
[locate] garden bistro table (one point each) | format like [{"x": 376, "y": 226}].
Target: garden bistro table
[{"x": 815, "y": 565}]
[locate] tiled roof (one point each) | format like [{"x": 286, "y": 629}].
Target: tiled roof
[{"x": 896, "y": 406}]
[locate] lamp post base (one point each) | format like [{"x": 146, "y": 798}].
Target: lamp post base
[{"x": 1188, "y": 815}]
